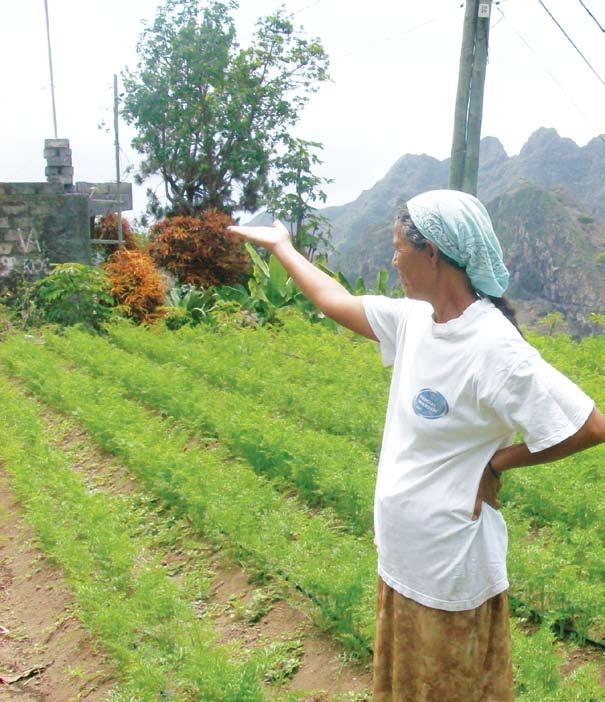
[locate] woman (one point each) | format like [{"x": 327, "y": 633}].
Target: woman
[{"x": 464, "y": 381}]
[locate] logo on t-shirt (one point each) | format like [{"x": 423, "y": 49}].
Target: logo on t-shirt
[{"x": 430, "y": 404}]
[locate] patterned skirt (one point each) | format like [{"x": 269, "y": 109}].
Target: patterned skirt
[{"x": 423, "y": 654}]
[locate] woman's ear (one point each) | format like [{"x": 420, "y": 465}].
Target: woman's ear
[{"x": 433, "y": 251}]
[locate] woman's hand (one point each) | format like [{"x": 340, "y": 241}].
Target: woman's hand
[
  {"x": 489, "y": 486},
  {"x": 268, "y": 237}
]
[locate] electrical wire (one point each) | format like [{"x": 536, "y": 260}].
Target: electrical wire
[
  {"x": 290, "y": 14},
  {"x": 599, "y": 25},
  {"x": 570, "y": 40},
  {"x": 306, "y": 7},
  {"x": 545, "y": 67},
  {"x": 408, "y": 30}
]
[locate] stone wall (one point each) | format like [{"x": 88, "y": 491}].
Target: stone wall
[{"x": 40, "y": 224}]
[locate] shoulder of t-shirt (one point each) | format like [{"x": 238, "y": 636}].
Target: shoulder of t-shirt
[
  {"x": 499, "y": 351},
  {"x": 395, "y": 307}
]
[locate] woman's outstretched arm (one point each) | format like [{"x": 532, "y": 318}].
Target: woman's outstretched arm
[{"x": 330, "y": 297}]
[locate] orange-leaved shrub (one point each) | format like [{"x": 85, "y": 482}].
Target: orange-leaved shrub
[
  {"x": 199, "y": 250},
  {"x": 107, "y": 228},
  {"x": 137, "y": 285}
]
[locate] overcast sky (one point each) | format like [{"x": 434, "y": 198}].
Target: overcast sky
[{"x": 394, "y": 66}]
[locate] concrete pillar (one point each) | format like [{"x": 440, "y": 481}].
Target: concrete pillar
[{"x": 58, "y": 162}]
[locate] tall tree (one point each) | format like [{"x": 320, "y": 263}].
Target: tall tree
[
  {"x": 208, "y": 113},
  {"x": 293, "y": 193}
]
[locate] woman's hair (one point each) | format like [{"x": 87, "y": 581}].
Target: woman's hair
[{"x": 418, "y": 240}]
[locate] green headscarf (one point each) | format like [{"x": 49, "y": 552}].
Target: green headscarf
[{"x": 459, "y": 225}]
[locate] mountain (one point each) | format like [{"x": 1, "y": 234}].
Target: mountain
[
  {"x": 548, "y": 207},
  {"x": 555, "y": 252}
]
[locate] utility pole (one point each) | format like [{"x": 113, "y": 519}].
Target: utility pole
[
  {"x": 464, "y": 165},
  {"x": 117, "y": 145},
  {"x": 50, "y": 65}
]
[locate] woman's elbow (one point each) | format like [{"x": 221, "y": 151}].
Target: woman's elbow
[{"x": 596, "y": 427}]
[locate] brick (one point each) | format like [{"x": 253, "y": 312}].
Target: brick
[
  {"x": 17, "y": 189},
  {"x": 58, "y": 161},
  {"x": 13, "y": 209},
  {"x": 64, "y": 153},
  {"x": 56, "y": 143},
  {"x": 23, "y": 222},
  {"x": 59, "y": 171}
]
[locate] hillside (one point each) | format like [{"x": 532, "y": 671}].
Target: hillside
[{"x": 548, "y": 205}]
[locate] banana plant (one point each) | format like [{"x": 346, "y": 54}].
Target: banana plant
[{"x": 271, "y": 287}]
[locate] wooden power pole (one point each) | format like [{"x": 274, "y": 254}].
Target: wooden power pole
[
  {"x": 117, "y": 147},
  {"x": 464, "y": 166}
]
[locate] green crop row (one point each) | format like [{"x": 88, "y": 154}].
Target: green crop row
[
  {"x": 325, "y": 470},
  {"x": 563, "y": 492},
  {"x": 542, "y": 575},
  {"x": 296, "y": 378},
  {"x": 227, "y": 501},
  {"x": 161, "y": 649},
  {"x": 222, "y": 497}
]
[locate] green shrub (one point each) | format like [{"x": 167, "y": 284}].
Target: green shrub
[
  {"x": 73, "y": 293},
  {"x": 189, "y": 305}
]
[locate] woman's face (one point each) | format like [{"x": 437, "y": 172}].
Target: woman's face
[{"x": 415, "y": 266}]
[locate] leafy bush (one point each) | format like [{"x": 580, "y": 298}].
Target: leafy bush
[
  {"x": 137, "y": 285},
  {"x": 73, "y": 293},
  {"x": 189, "y": 305},
  {"x": 199, "y": 251}
]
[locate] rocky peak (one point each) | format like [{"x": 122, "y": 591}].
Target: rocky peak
[
  {"x": 491, "y": 152},
  {"x": 546, "y": 140}
]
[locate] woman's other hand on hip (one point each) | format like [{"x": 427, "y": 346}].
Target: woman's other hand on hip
[{"x": 489, "y": 486}]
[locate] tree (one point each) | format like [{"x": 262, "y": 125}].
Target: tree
[
  {"x": 292, "y": 194},
  {"x": 208, "y": 113}
]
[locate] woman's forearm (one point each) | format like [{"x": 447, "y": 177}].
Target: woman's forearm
[
  {"x": 518, "y": 455},
  {"x": 318, "y": 286}
]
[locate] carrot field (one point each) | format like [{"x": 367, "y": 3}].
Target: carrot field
[{"x": 265, "y": 442}]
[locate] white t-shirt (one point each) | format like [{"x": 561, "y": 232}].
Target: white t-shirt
[{"x": 459, "y": 392}]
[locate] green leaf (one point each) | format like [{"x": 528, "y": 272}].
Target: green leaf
[
  {"x": 278, "y": 277},
  {"x": 382, "y": 282},
  {"x": 257, "y": 260},
  {"x": 360, "y": 286}
]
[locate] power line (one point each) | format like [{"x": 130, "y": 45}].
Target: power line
[
  {"x": 600, "y": 26},
  {"x": 405, "y": 31},
  {"x": 290, "y": 14},
  {"x": 306, "y": 7},
  {"x": 570, "y": 40},
  {"x": 389, "y": 38},
  {"x": 545, "y": 67}
]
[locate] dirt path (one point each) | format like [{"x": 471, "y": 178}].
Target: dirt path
[
  {"x": 39, "y": 629},
  {"x": 256, "y": 616}
]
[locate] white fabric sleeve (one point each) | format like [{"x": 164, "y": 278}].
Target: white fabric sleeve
[
  {"x": 384, "y": 315},
  {"x": 541, "y": 403}
]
